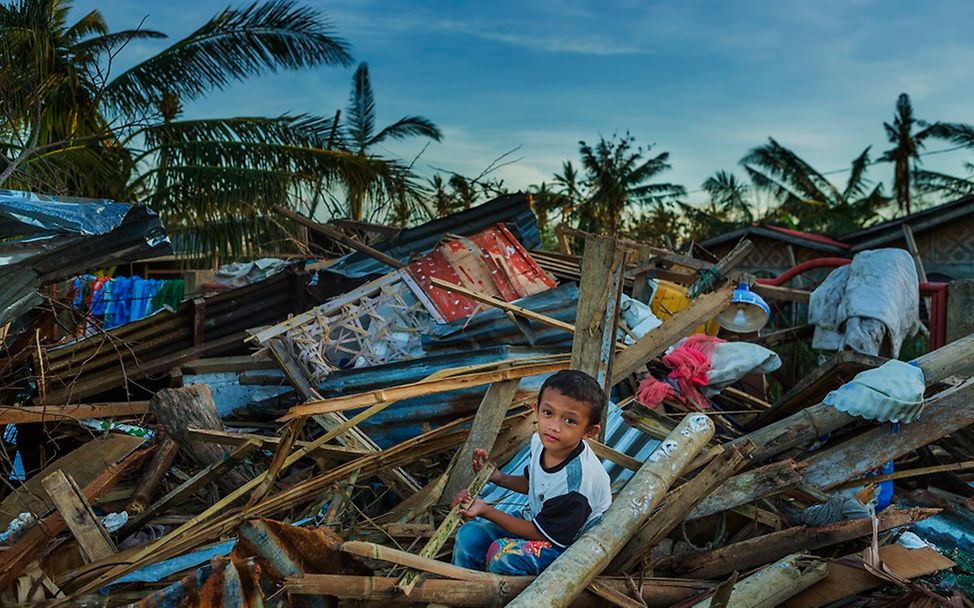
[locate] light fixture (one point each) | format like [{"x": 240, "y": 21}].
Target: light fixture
[{"x": 748, "y": 311}]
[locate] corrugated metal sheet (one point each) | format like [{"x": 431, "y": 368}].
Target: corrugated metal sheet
[
  {"x": 514, "y": 210},
  {"x": 48, "y": 239},
  {"x": 491, "y": 326}
]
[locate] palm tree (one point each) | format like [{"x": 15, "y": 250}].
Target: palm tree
[
  {"x": 214, "y": 180},
  {"x": 358, "y": 134},
  {"x": 729, "y": 207},
  {"x": 806, "y": 198},
  {"x": 905, "y": 153},
  {"x": 617, "y": 178}
]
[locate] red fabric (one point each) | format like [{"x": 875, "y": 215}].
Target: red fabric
[{"x": 690, "y": 365}]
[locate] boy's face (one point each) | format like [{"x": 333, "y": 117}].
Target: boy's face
[{"x": 563, "y": 422}]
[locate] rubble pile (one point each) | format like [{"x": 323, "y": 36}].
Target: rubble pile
[{"x": 295, "y": 435}]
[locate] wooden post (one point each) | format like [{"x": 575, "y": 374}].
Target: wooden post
[
  {"x": 911, "y": 246},
  {"x": 199, "y": 321},
  {"x": 573, "y": 570},
  {"x": 486, "y": 425},
  {"x": 154, "y": 473},
  {"x": 770, "y": 586},
  {"x": 597, "y": 313},
  {"x": 640, "y": 276},
  {"x": 93, "y": 539},
  {"x": 180, "y": 409}
]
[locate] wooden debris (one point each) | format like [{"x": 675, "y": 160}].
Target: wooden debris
[
  {"x": 771, "y": 586},
  {"x": 93, "y": 540},
  {"x": 154, "y": 473}
]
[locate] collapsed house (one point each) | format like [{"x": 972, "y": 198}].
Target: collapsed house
[{"x": 296, "y": 438}]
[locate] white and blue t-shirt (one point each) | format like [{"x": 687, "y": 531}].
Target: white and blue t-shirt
[{"x": 568, "y": 498}]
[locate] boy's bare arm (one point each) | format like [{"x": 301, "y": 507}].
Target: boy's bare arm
[
  {"x": 517, "y": 483},
  {"x": 517, "y": 526}
]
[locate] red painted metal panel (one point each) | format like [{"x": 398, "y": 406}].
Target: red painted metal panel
[{"x": 491, "y": 262}]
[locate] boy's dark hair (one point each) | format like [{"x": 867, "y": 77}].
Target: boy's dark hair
[{"x": 580, "y": 387}]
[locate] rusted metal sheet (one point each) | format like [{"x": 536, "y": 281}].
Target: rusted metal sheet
[
  {"x": 223, "y": 582},
  {"x": 491, "y": 262}
]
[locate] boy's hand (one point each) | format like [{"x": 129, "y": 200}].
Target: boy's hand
[
  {"x": 462, "y": 497},
  {"x": 477, "y": 508},
  {"x": 478, "y": 461}
]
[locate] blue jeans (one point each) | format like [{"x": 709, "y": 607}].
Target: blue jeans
[{"x": 482, "y": 544}]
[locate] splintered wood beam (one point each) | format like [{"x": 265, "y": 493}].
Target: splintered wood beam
[
  {"x": 425, "y": 387},
  {"x": 192, "y": 485},
  {"x": 749, "y": 486},
  {"x": 635, "y": 356},
  {"x": 502, "y": 305},
  {"x": 773, "y": 584},
  {"x": 446, "y": 529},
  {"x": 270, "y": 442},
  {"x": 597, "y": 313},
  {"x": 337, "y": 235},
  {"x": 93, "y": 539}
]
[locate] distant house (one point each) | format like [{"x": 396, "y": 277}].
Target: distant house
[
  {"x": 776, "y": 249},
  {"x": 944, "y": 237}
]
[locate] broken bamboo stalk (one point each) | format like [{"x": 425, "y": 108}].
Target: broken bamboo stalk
[
  {"x": 678, "y": 504},
  {"x": 573, "y": 570},
  {"x": 416, "y": 562},
  {"x": 424, "y": 387},
  {"x": 501, "y": 304},
  {"x": 446, "y": 529},
  {"x": 775, "y": 545},
  {"x": 770, "y": 586},
  {"x": 749, "y": 486}
]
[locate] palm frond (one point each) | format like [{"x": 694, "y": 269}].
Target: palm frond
[
  {"x": 235, "y": 44},
  {"x": 360, "y": 116},
  {"x": 933, "y": 181},
  {"x": 856, "y": 184},
  {"x": 408, "y": 126}
]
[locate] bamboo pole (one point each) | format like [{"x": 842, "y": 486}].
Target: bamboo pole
[
  {"x": 446, "y": 529},
  {"x": 571, "y": 573},
  {"x": 772, "y": 585}
]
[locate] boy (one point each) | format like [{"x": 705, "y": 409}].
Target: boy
[{"x": 567, "y": 486}]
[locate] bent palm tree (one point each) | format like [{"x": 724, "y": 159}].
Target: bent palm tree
[
  {"x": 358, "y": 134},
  {"x": 905, "y": 153},
  {"x": 214, "y": 181},
  {"x": 806, "y": 197}
]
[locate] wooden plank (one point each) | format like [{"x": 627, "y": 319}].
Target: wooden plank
[
  {"x": 93, "y": 539},
  {"x": 517, "y": 370},
  {"x": 416, "y": 562},
  {"x": 446, "y": 529},
  {"x": 483, "y": 432},
  {"x": 51, "y": 413},
  {"x": 782, "y": 294},
  {"x": 597, "y": 313},
  {"x": 911, "y": 246},
  {"x": 83, "y": 464},
  {"x": 27, "y": 549},
  {"x": 199, "y": 321},
  {"x": 502, "y": 305},
  {"x": 749, "y": 486}
]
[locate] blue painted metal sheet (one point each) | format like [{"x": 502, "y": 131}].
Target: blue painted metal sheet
[{"x": 514, "y": 210}]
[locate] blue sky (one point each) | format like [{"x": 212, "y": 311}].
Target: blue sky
[{"x": 705, "y": 81}]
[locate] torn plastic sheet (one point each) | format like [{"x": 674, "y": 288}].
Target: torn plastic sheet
[
  {"x": 164, "y": 569},
  {"x": 44, "y": 239}
]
